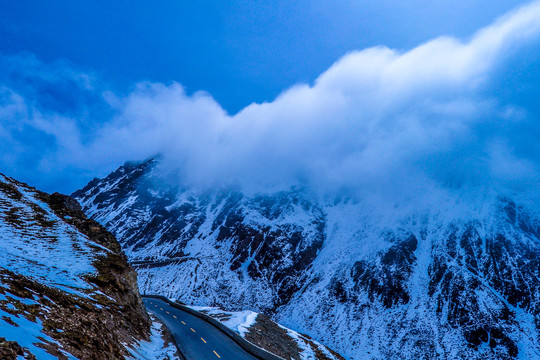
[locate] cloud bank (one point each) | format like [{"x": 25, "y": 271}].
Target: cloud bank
[{"x": 449, "y": 113}]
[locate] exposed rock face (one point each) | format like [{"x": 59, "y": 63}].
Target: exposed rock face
[
  {"x": 10, "y": 350},
  {"x": 66, "y": 288},
  {"x": 261, "y": 243},
  {"x": 457, "y": 281}
]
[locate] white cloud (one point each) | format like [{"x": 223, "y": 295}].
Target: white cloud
[{"x": 377, "y": 120}]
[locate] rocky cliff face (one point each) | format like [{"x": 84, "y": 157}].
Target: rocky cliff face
[
  {"x": 459, "y": 280},
  {"x": 265, "y": 244},
  {"x": 66, "y": 289}
]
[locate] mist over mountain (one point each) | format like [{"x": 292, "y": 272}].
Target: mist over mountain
[
  {"x": 450, "y": 113},
  {"x": 388, "y": 210},
  {"x": 457, "y": 280}
]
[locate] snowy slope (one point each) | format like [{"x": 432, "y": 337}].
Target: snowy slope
[
  {"x": 457, "y": 278},
  {"x": 65, "y": 289}
]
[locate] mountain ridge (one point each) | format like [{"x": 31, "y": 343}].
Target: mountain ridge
[
  {"x": 458, "y": 281},
  {"x": 66, "y": 289}
]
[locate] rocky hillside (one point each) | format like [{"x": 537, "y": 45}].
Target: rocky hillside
[
  {"x": 454, "y": 281},
  {"x": 267, "y": 242},
  {"x": 66, "y": 289}
]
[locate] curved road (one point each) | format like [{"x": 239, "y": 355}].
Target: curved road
[{"x": 195, "y": 338}]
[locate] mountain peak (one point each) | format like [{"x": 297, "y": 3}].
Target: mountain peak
[{"x": 454, "y": 279}]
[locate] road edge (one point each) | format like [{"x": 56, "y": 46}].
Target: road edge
[
  {"x": 172, "y": 339},
  {"x": 243, "y": 343}
]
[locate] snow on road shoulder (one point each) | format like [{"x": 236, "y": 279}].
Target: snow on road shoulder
[
  {"x": 246, "y": 323},
  {"x": 239, "y": 321},
  {"x": 155, "y": 348}
]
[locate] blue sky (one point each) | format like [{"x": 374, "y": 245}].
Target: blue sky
[
  {"x": 335, "y": 94},
  {"x": 239, "y": 51}
]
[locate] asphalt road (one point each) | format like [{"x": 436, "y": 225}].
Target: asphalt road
[{"x": 195, "y": 338}]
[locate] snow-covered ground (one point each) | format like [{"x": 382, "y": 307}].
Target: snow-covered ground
[
  {"x": 27, "y": 333},
  {"x": 239, "y": 321},
  {"x": 156, "y": 347},
  {"x": 58, "y": 297},
  {"x": 37, "y": 244}
]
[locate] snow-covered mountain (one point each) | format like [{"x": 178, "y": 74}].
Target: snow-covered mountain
[
  {"x": 457, "y": 280},
  {"x": 66, "y": 289}
]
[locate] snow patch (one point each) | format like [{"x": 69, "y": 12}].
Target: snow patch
[
  {"x": 239, "y": 321},
  {"x": 155, "y": 348}
]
